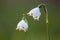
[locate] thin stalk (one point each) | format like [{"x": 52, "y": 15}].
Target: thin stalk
[
  {"x": 45, "y": 9},
  {"x": 28, "y": 32}
]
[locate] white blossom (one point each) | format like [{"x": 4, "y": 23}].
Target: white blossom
[
  {"x": 22, "y": 25},
  {"x": 35, "y": 13}
]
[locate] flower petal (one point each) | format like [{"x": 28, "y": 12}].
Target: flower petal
[
  {"x": 35, "y": 12},
  {"x": 22, "y": 25}
]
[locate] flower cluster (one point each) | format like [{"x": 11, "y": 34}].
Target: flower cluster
[{"x": 35, "y": 13}]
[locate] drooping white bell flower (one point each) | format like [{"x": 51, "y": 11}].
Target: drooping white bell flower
[
  {"x": 22, "y": 25},
  {"x": 35, "y": 13}
]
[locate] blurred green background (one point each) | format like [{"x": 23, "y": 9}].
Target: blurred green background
[{"x": 11, "y": 13}]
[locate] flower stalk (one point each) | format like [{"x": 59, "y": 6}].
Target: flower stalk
[
  {"x": 46, "y": 14},
  {"x": 45, "y": 9}
]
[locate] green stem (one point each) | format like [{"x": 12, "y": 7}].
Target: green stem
[
  {"x": 48, "y": 36},
  {"x": 45, "y": 9}
]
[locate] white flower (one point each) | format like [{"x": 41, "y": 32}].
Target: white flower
[
  {"x": 35, "y": 13},
  {"x": 22, "y": 25}
]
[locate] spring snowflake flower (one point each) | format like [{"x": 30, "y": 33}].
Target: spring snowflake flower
[
  {"x": 22, "y": 25},
  {"x": 35, "y": 13}
]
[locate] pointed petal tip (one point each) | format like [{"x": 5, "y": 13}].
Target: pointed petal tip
[{"x": 29, "y": 14}]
